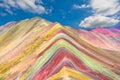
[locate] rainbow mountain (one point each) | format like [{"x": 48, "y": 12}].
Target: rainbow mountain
[{"x": 36, "y": 49}]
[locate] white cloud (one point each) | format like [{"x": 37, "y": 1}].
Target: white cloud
[
  {"x": 97, "y": 21},
  {"x": 116, "y": 17},
  {"x": 105, "y": 7},
  {"x": 80, "y": 6},
  {"x": 26, "y": 5},
  {"x": 9, "y": 11},
  {"x": 49, "y": 11},
  {"x": 101, "y": 10},
  {"x": 11, "y": 3},
  {"x": 2, "y": 5}
]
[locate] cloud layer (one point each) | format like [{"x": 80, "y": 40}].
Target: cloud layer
[
  {"x": 101, "y": 10},
  {"x": 98, "y": 21},
  {"x": 80, "y": 6},
  {"x": 26, "y": 5},
  {"x": 105, "y": 7}
]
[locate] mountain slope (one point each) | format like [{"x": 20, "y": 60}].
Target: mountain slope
[{"x": 37, "y": 49}]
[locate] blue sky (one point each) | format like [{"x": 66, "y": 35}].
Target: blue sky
[{"x": 74, "y": 13}]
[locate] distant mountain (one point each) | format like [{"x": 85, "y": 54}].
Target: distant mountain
[
  {"x": 108, "y": 32},
  {"x": 36, "y": 49},
  {"x": 6, "y": 26}
]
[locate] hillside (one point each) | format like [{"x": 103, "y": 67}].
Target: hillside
[{"x": 36, "y": 49}]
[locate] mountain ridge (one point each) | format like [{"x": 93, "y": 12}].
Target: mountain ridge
[{"x": 34, "y": 43}]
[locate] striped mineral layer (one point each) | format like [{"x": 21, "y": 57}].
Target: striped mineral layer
[{"x": 36, "y": 49}]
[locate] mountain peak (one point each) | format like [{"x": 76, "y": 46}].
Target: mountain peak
[
  {"x": 44, "y": 48},
  {"x": 36, "y": 18}
]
